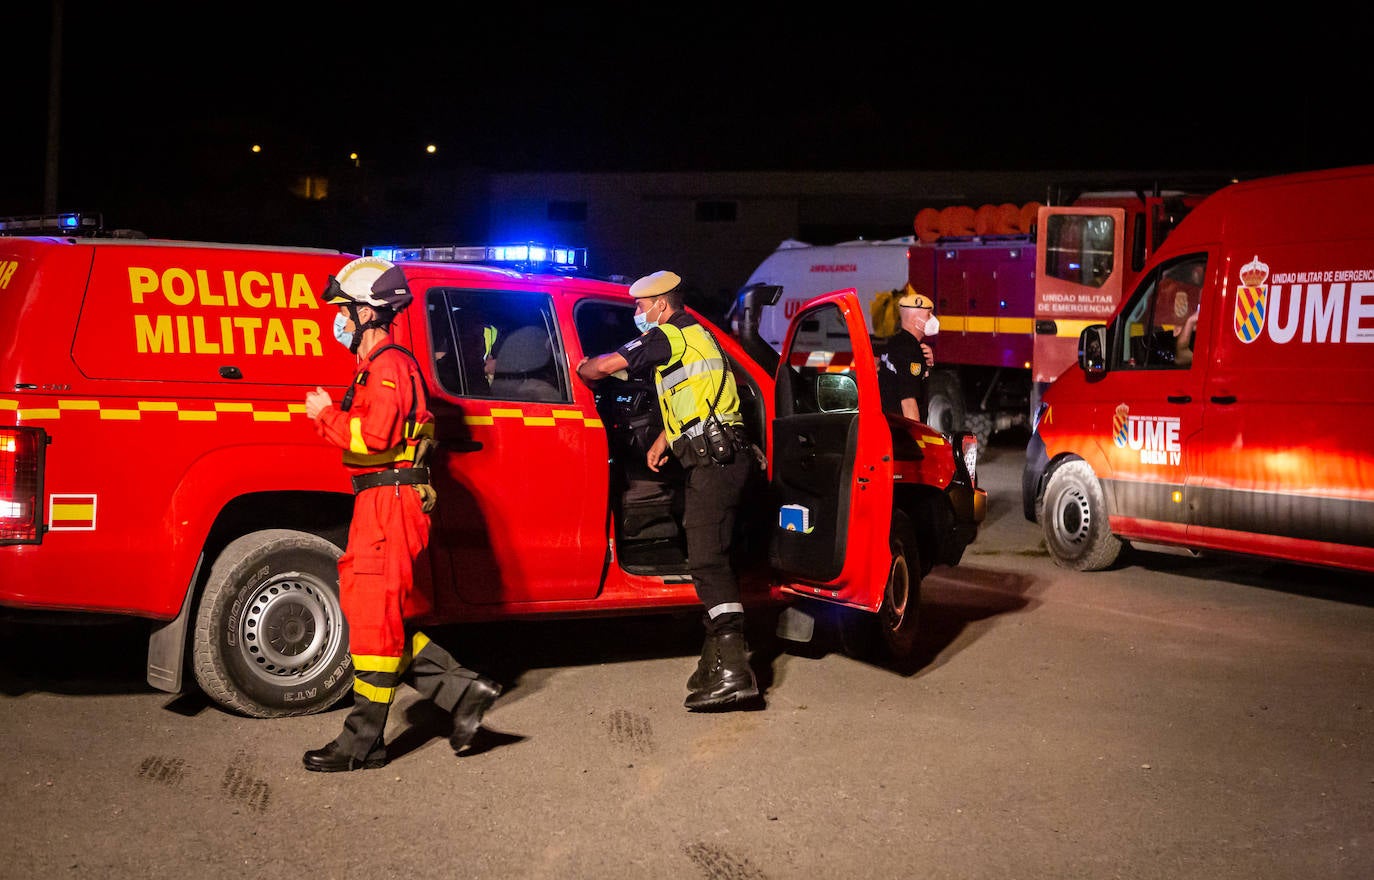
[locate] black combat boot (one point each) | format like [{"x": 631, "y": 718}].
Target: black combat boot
[
  {"x": 332, "y": 758},
  {"x": 729, "y": 680},
  {"x": 709, "y": 650},
  {"x": 481, "y": 692}
]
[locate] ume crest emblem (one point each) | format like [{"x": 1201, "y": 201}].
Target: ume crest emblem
[{"x": 1252, "y": 300}]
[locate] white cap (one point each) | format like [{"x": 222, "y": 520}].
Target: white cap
[{"x": 657, "y": 284}]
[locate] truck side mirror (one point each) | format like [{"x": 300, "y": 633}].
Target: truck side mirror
[
  {"x": 837, "y": 392},
  {"x": 743, "y": 322},
  {"x": 1092, "y": 343}
]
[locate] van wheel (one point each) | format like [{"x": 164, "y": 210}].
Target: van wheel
[
  {"x": 945, "y": 404},
  {"x": 270, "y": 638},
  {"x": 1074, "y": 517},
  {"x": 891, "y": 632}
]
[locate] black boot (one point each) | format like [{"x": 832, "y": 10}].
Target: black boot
[
  {"x": 730, "y": 680},
  {"x": 709, "y": 649},
  {"x": 333, "y": 759},
  {"x": 467, "y": 715}
]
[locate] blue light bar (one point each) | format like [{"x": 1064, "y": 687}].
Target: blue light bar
[
  {"x": 38, "y": 224},
  {"x": 526, "y": 255}
]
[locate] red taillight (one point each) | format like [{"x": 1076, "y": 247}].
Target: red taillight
[{"x": 21, "y": 485}]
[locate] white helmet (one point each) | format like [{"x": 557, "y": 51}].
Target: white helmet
[{"x": 369, "y": 281}]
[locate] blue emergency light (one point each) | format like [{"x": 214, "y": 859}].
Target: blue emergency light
[
  {"x": 525, "y": 255},
  {"x": 37, "y": 224}
]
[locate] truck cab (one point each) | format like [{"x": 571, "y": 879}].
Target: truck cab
[{"x": 201, "y": 353}]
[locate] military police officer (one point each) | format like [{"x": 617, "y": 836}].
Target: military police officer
[
  {"x": 906, "y": 360},
  {"x": 704, "y": 430}
]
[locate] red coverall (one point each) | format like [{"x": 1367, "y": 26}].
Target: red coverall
[{"x": 389, "y": 533}]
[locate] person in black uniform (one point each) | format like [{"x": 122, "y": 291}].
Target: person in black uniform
[
  {"x": 907, "y": 358},
  {"x": 696, "y": 388}
]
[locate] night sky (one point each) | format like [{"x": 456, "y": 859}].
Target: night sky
[{"x": 162, "y": 97}]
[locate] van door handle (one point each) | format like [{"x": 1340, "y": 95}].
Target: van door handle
[
  {"x": 1179, "y": 398},
  {"x": 1223, "y": 398}
]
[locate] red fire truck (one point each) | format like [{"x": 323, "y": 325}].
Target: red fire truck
[
  {"x": 1011, "y": 284},
  {"x": 1013, "y": 290},
  {"x": 156, "y": 460}
]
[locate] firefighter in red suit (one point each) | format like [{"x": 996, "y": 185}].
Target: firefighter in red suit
[{"x": 385, "y": 429}]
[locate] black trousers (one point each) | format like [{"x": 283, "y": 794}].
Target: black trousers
[{"x": 710, "y": 507}]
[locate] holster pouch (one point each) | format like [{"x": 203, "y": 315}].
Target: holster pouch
[{"x": 719, "y": 441}]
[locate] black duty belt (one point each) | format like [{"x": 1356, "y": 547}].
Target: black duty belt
[{"x": 391, "y": 477}]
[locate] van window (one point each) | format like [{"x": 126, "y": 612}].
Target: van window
[
  {"x": 1157, "y": 328},
  {"x": 1079, "y": 248},
  {"x": 497, "y": 344}
]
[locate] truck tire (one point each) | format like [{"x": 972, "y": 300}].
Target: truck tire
[
  {"x": 890, "y": 634},
  {"x": 1074, "y": 517},
  {"x": 945, "y": 403},
  {"x": 270, "y": 638}
]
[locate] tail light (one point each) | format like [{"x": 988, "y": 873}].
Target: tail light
[
  {"x": 21, "y": 485},
  {"x": 969, "y": 450}
]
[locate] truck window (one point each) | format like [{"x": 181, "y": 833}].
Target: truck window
[
  {"x": 498, "y": 344},
  {"x": 1155, "y": 331},
  {"x": 1079, "y": 248},
  {"x": 821, "y": 347},
  {"x": 603, "y": 326}
]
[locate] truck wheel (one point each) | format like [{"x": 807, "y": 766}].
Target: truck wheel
[
  {"x": 945, "y": 403},
  {"x": 1074, "y": 517},
  {"x": 270, "y": 638},
  {"x": 891, "y": 633}
]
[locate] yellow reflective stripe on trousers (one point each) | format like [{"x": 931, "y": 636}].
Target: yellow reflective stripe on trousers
[
  {"x": 376, "y": 663},
  {"x": 372, "y": 692},
  {"x": 418, "y": 642}
]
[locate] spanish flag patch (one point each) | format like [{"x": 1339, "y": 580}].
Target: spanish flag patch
[{"x": 71, "y": 513}]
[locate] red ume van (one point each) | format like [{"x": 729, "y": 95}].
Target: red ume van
[{"x": 1252, "y": 432}]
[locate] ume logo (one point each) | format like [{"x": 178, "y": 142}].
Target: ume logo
[
  {"x": 1154, "y": 437},
  {"x": 1326, "y": 306}
]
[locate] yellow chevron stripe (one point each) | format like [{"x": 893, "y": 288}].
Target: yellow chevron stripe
[{"x": 125, "y": 413}]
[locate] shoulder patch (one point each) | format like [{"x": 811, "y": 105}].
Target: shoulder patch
[{"x": 915, "y": 368}]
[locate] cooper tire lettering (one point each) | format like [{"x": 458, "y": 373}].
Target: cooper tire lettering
[{"x": 270, "y": 638}]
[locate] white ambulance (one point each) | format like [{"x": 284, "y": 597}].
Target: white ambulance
[{"x": 805, "y": 271}]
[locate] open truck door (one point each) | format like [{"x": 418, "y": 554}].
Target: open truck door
[{"x": 832, "y": 475}]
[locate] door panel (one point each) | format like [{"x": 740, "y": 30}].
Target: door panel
[{"x": 832, "y": 457}]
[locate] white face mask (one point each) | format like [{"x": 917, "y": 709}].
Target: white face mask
[
  {"x": 932, "y": 326},
  {"x": 343, "y": 336},
  {"x": 643, "y": 323}
]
